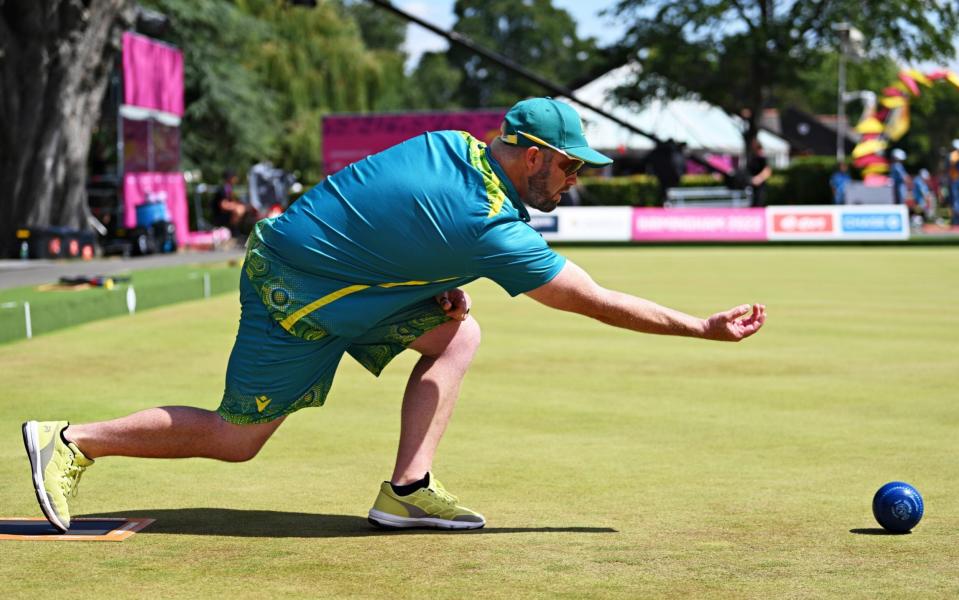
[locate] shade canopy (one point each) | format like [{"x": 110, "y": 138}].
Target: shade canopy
[{"x": 699, "y": 125}]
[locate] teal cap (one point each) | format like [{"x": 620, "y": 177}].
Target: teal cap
[{"x": 548, "y": 122}]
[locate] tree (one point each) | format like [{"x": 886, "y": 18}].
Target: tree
[
  {"x": 532, "y": 33},
  {"x": 383, "y": 34},
  {"x": 55, "y": 59},
  {"x": 739, "y": 54},
  {"x": 260, "y": 75},
  {"x": 380, "y": 30},
  {"x": 816, "y": 90},
  {"x": 934, "y": 114},
  {"x": 314, "y": 61},
  {"x": 934, "y": 124},
  {"x": 231, "y": 120},
  {"x": 434, "y": 83}
]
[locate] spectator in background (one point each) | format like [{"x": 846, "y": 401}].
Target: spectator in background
[
  {"x": 952, "y": 172},
  {"x": 668, "y": 164},
  {"x": 838, "y": 183},
  {"x": 897, "y": 171},
  {"x": 228, "y": 210},
  {"x": 759, "y": 172},
  {"x": 679, "y": 159},
  {"x": 922, "y": 194}
]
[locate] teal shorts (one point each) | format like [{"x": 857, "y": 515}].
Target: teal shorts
[{"x": 273, "y": 373}]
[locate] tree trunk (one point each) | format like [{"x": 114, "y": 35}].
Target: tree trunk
[{"x": 55, "y": 61}]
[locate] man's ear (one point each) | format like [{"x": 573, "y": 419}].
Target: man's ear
[{"x": 533, "y": 159}]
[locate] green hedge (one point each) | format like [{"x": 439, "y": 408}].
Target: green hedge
[
  {"x": 806, "y": 181},
  {"x": 631, "y": 190}
]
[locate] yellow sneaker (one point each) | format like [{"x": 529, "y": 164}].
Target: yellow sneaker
[
  {"x": 431, "y": 506},
  {"x": 56, "y": 467}
]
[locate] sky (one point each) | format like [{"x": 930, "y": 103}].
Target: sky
[
  {"x": 584, "y": 12},
  {"x": 440, "y": 13}
]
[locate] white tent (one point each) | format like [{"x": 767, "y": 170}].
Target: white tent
[{"x": 698, "y": 124}]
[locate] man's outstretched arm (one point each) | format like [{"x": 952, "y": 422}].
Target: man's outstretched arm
[{"x": 574, "y": 290}]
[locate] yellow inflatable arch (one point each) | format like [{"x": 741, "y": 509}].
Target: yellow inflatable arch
[{"x": 888, "y": 120}]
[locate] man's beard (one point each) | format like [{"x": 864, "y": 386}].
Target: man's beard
[{"x": 538, "y": 195}]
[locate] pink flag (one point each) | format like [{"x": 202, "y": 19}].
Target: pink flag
[{"x": 152, "y": 74}]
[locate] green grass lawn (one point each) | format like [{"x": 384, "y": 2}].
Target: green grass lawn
[
  {"x": 52, "y": 309},
  {"x": 607, "y": 463}
]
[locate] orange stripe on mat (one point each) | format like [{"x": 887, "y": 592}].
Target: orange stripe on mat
[{"x": 114, "y": 529}]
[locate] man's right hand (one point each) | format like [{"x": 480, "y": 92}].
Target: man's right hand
[
  {"x": 575, "y": 291},
  {"x": 735, "y": 324}
]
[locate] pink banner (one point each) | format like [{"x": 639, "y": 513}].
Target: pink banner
[
  {"x": 349, "y": 138},
  {"x": 152, "y": 74},
  {"x": 699, "y": 224},
  {"x": 169, "y": 188}
]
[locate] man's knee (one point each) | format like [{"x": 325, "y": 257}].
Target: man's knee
[
  {"x": 452, "y": 338},
  {"x": 237, "y": 456},
  {"x": 471, "y": 333},
  {"x": 466, "y": 339},
  {"x": 240, "y": 443},
  {"x": 241, "y": 452}
]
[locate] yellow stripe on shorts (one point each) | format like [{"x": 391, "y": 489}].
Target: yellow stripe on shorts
[
  {"x": 291, "y": 320},
  {"x": 398, "y": 284}
]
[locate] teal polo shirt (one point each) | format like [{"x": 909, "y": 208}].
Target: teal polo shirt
[{"x": 428, "y": 215}]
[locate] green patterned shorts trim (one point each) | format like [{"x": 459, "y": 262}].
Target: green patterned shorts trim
[{"x": 273, "y": 373}]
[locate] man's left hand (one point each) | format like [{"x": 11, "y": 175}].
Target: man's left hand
[{"x": 455, "y": 303}]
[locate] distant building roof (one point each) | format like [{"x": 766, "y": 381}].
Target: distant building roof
[{"x": 813, "y": 134}]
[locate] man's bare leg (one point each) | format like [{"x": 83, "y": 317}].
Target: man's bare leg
[
  {"x": 181, "y": 431},
  {"x": 172, "y": 432},
  {"x": 431, "y": 394}
]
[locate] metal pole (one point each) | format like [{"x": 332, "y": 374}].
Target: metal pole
[
  {"x": 119, "y": 209},
  {"x": 151, "y": 158},
  {"x": 117, "y": 85},
  {"x": 131, "y": 300},
  {"x": 206, "y": 285},
  {"x": 841, "y": 110},
  {"x": 847, "y": 45},
  {"x": 27, "y": 320}
]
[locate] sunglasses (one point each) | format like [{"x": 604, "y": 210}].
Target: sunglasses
[{"x": 574, "y": 165}]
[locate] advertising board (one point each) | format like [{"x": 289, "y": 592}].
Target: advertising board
[
  {"x": 773, "y": 223},
  {"x": 349, "y": 138},
  {"x": 698, "y": 224},
  {"x": 837, "y": 223},
  {"x": 584, "y": 223}
]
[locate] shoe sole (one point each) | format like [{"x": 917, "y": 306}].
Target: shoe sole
[
  {"x": 387, "y": 521},
  {"x": 31, "y": 439}
]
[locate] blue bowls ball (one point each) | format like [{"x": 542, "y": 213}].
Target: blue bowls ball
[{"x": 897, "y": 506}]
